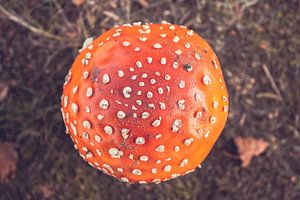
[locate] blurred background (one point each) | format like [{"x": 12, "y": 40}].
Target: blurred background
[{"x": 258, "y": 45}]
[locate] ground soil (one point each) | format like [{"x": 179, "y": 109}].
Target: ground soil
[{"x": 249, "y": 38}]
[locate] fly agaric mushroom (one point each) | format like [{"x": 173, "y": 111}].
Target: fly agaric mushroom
[{"x": 145, "y": 102}]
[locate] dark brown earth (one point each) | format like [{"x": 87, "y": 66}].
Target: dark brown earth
[{"x": 251, "y": 38}]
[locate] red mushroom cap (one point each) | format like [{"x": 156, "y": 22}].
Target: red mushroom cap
[{"x": 145, "y": 103}]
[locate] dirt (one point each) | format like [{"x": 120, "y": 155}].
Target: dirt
[{"x": 258, "y": 44}]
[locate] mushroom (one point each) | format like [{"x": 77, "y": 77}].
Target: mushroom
[{"x": 145, "y": 103}]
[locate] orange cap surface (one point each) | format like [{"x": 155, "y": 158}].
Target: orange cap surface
[{"x": 145, "y": 103}]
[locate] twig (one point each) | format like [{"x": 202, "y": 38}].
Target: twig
[
  {"x": 272, "y": 82},
  {"x": 62, "y": 13},
  {"x": 17, "y": 19},
  {"x": 128, "y": 10}
]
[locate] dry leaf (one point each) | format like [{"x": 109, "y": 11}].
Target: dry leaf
[
  {"x": 249, "y": 147},
  {"x": 3, "y": 91},
  {"x": 78, "y": 2},
  {"x": 8, "y": 160},
  {"x": 46, "y": 190},
  {"x": 144, "y": 3}
]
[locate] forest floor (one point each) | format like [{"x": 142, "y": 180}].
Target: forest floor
[{"x": 258, "y": 45}]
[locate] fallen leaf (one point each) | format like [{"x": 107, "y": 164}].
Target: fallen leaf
[
  {"x": 144, "y": 3},
  {"x": 8, "y": 160},
  {"x": 78, "y": 2},
  {"x": 249, "y": 147},
  {"x": 3, "y": 91},
  {"x": 46, "y": 190}
]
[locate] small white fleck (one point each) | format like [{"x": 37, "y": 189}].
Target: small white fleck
[
  {"x": 213, "y": 119},
  {"x": 162, "y": 105},
  {"x": 137, "y": 49},
  {"x": 124, "y": 179},
  {"x": 121, "y": 114},
  {"x": 149, "y": 95},
  {"x": 163, "y": 61},
  {"x": 206, "y": 134},
  {"x": 133, "y": 107},
  {"x": 215, "y": 104},
  {"x": 87, "y": 109},
  {"x": 157, "y": 46},
  {"x": 88, "y": 155},
  {"x": 115, "y": 153},
  {"x": 206, "y": 80},
  {"x": 104, "y": 104},
  {"x": 75, "y": 89},
  {"x": 160, "y": 90},
  {"x": 139, "y": 102},
  {"x": 167, "y": 77},
  {"x": 167, "y": 168},
  {"x": 120, "y": 169},
  {"x": 85, "y": 135},
  {"x": 85, "y": 74},
  {"x": 181, "y": 84},
  {"x": 175, "y": 65},
  {"x": 198, "y": 56},
  {"x": 176, "y": 39},
  {"x": 126, "y": 43},
  {"x": 172, "y": 27},
  {"x": 158, "y": 136},
  {"x": 151, "y": 105},
  {"x": 97, "y": 138},
  {"x": 100, "y": 117},
  {"x": 158, "y": 162},
  {"x": 188, "y": 142},
  {"x": 89, "y": 92},
  {"x": 145, "y": 115},
  {"x": 190, "y": 32},
  {"x": 133, "y": 77},
  {"x": 184, "y": 162},
  {"x": 120, "y": 73},
  {"x": 144, "y": 158},
  {"x": 160, "y": 148},
  {"x": 177, "y": 148},
  {"x": 178, "y": 52},
  {"x": 181, "y": 103},
  {"x": 139, "y": 92},
  {"x": 224, "y": 98},
  {"x": 144, "y": 75},
  {"x": 149, "y": 60},
  {"x": 154, "y": 170},
  {"x": 74, "y": 107},
  {"x": 176, "y": 125},
  {"x": 108, "y": 130},
  {"x": 86, "y": 124},
  {"x": 139, "y": 64},
  {"x": 124, "y": 133},
  {"x": 136, "y": 172},
  {"x": 143, "y": 39},
  {"x": 126, "y": 92},
  {"x": 105, "y": 79},
  {"x": 141, "y": 84},
  {"x": 156, "y": 122},
  {"x": 140, "y": 140},
  {"x": 187, "y": 45},
  {"x": 225, "y": 108},
  {"x": 163, "y": 35}
]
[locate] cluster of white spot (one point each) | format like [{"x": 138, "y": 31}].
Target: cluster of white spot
[{"x": 115, "y": 153}]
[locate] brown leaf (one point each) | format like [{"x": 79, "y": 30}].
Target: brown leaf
[
  {"x": 144, "y": 3},
  {"x": 3, "y": 91},
  {"x": 46, "y": 190},
  {"x": 249, "y": 147},
  {"x": 78, "y": 2},
  {"x": 8, "y": 160}
]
